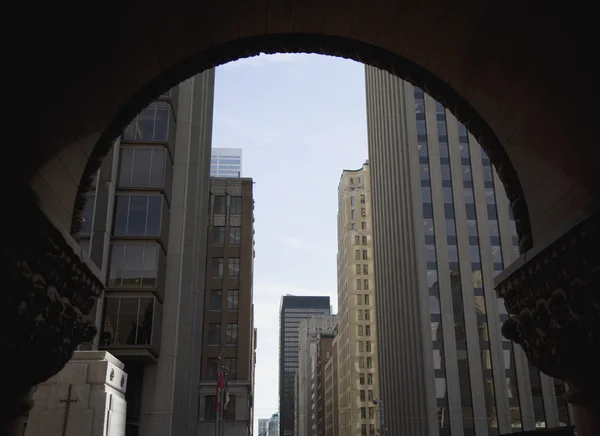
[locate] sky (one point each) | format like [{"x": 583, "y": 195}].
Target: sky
[{"x": 300, "y": 120}]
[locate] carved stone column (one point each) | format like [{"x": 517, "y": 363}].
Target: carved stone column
[
  {"x": 47, "y": 292},
  {"x": 553, "y": 296}
]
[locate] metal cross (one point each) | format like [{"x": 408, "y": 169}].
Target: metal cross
[{"x": 67, "y": 402}]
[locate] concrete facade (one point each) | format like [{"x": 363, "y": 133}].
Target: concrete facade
[
  {"x": 444, "y": 230},
  {"x": 306, "y": 394},
  {"x": 292, "y": 311},
  {"x": 144, "y": 226},
  {"x": 357, "y": 321},
  {"x": 229, "y": 337},
  {"x": 86, "y": 398}
]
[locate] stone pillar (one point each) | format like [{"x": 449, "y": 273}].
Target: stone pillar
[
  {"x": 552, "y": 293},
  {"x": 86, "y": 398},
  {"x": 48, "y": 290}
]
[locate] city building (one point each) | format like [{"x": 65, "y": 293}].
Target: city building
[
  {"x": 293, "y": 309},
  {"x": 229, "y": 337},
  {"x": 324, "y": 353},
  {"x": 331, "y": 394},
  {"x": 137, "y": 228},
  {"x": 226, "y": 162},
  {"x": 274, "y": 425},
  {"x": 357, "y": 340},
  {"x": 444, "y": 229},
  {"x": 263, "y": 427},
  {"x": 305, "y": 395}
]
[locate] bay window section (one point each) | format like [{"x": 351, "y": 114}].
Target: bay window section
[
  {"x": 143, "y": 167},
  {"x": 131, "y": 322},
  {"x": 151, "y": 124},
  {"x": 140, "y": 215},
  {"x": 136, "y": 266}
]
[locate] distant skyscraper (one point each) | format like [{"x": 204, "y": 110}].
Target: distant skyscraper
[
  {"x": 226, "y": 162},
  {"x": 263, "y": 427},
  {"x": 274, "y": 425},
  {"x": 443, "y": 229},
  {"x": 293, "y": 310}
]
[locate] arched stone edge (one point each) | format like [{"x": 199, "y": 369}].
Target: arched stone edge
[{"x": 327, "y": 45}]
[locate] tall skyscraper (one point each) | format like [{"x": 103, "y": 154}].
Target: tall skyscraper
[
  {"x": 226, "y": 162},
  {"x": 228, "y": 335},
  {"x": 293, "y": 309},
  {"x": 443, "y": 230},
  {"x": 263, "y": 427},
  {"x": 274, "y": 425},
  {"x": 306, "y": 393},
  {"x": 357, "y": 344},
  {"x": 138, "y": 229}
]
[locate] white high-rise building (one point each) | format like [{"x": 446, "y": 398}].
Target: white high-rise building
[
  {"x": 263, "y": 427},
  {"x": 226, "y": 162}
]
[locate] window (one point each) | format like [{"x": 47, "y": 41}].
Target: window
[
  {"x": 370, "y": 378},
  {"x": 88, "y": 214},
  {"x": 356, "y": 240},
  {"x": 363, "y": 225},
  {"x": 214, "y": 334},
  {"x": 133, "y": 266},
  {"x": 218, "y": 235},
  {"x": 211, "y": 369},
  {"x": 232, "y": 299},
  {"x": 142, "y": 167},
  {"x": 356, "y": 254},
  {"x": 352, "y": 214},
  {"x": 359, "y": 314},
  {"x": 367, "y": 303},
  {"x": 235, "y": 235},
  {"x": 361, "y": 346},
  {"x": 363, "y": 410},
  {"x": 362, "y": 198},
  {"x": 365, "y": 268},
  {"x": 372, "y": 414},
  {"x": 128, "y": 321},
  {"x": 361, "y": 362},
  {"x": 152, "y": 124},
  {"x": 220, "y": 205},
  {"x": 210, "y": 408},
  {"x": 360, "y": 330},
  {"x": 138, "y": 215},
  {"x": 358, "y": 284},
  {"x": 361, "y": 378},
  {"x": 235, "y": 206},
  {"x": 363, "y": 212},
  {"x": 217, "y": 267},
  {"x": 357, "y": 269},
  {"x": 370, "y": 396},
  {"x": 352, "y": 200},
  {"x": 369, "y": 349},
  {"x": 362, "y": 395},
  {"x": 230, "y": 365},
  {"x": 234, "y": 267},
  {"x": 216, "y": 299},
  {"x": 352, "y": 226},
  {"x": 231, "y": 334},
  {"x": 368, "y": 330},
  {"x": 366, "y": 284},
  {"x": 365, "y": 255},
  {"x": 364, "y": 240},
  {"x": 372, "y": 428},
  {"x": 363, "y": 430},
  {"x": 229, "y": 412},
  {"x": 367, "y": 314},
  {"x": 359, "y": 299}
]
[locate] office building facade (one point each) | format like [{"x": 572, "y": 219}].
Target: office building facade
[
  {"x": 443, "y": 229},
  {"x": 324, "y": 353},
  {"x": 331, "y": 396},
  {"x": 305, "y": 396},
  {"x": 293, "y": 309},
  {"x": 274, "y": 425},
  {"x": 226, "y": 162},
  {"x": 356, "y": 329},
  {"x": 138, "y": 226},
  {"x": 229, "y": 337}
]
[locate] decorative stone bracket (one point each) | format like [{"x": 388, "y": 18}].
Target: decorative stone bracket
[
  {"x": 553, "y": 297},
  {"x": 47, "y": 292}
]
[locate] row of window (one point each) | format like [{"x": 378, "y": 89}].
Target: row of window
[
  {"x": 233, "y": 267},
  {"x": 220, "y": 205},
  {"x": 363, "y": 226},
  {"x": 214, "y": 334},
  {"x": 364, "y": 330},
  {"x": 363, "y": 213},
  {"x": 218, "y": 235},
  {"x": 210, "y": 408},
  {"x": 362, "y": 284},
  {"x": 129, "y": 321},
  {"x": 361, "y": 255},
  {"x": 358, "y": 240},
  {"x": 363, "y": 299},
  {"x": 216, "y": 299},
  {"x": 363, "y": 314},
  {"x": 362, "y": 269},
  {"x": 365, "y": 346},
  {"x": 352, "y": 200}
]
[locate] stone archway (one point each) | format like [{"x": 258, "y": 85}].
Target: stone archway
[{"x": 520, "y": 77}]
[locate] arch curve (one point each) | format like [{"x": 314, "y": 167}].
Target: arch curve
[{"x": 325, "y": 45}]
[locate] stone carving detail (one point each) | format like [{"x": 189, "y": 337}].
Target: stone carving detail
[
  {"x": 47, "y": 294},
  {"x": 335, "y": 46},
  {"x": 554, "y": 303}
]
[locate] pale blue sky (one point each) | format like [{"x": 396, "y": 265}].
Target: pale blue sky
[{"x": 300, "y": 120}]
